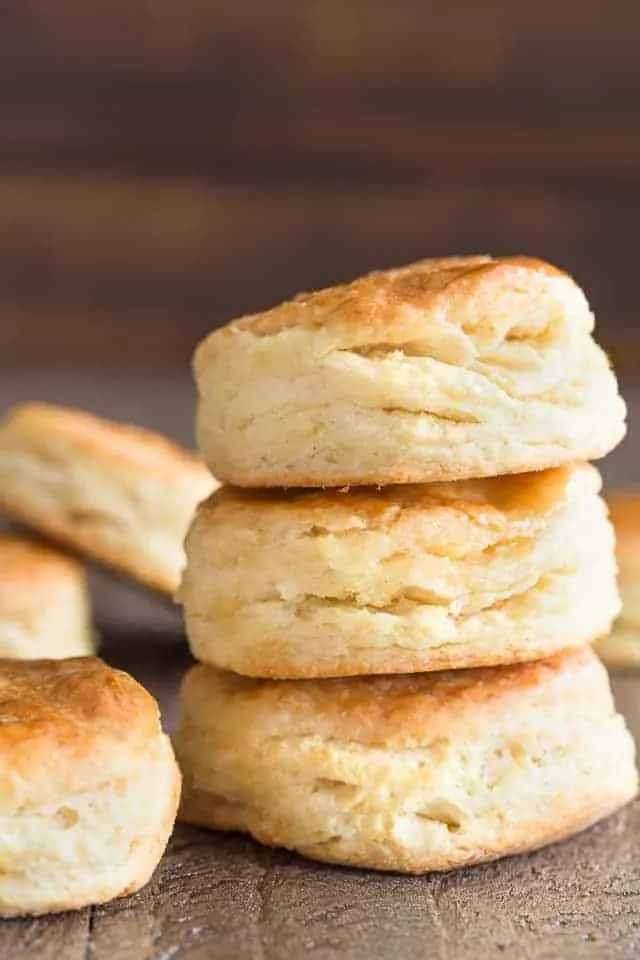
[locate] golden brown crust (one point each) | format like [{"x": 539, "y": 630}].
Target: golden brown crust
[
  {"x": 408, "y": 773},
  {"x": 70, "y": 720},
  {"x": 399, "y": 712},
  {"x": 122, "y": 495},
  {"x": 391, "y": 305},
  {"x": 485, "y": 501}
]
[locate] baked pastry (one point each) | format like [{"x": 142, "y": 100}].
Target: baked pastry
[
  {"x": 45, "y": 610},
  {"x": 442, "y": 370},
  {"x": 117, "y": 493},
  {"x": 418, "y": 773},
  {"x": 400, "y": 579},
  {"x": 90, "y": 786},
  {"x": 622, "y": 647}
]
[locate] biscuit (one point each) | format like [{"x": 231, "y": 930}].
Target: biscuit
[
  {"x": 117, "y": 493},
  {"x": 45, "y": 610},
  {"x": 442, "y": 370},
  {"x": 622, "y": 647},
  {"x": 401, "y": 579},
  {"x": 414, "y": 773},
  {"x": 89, "y": 785}
]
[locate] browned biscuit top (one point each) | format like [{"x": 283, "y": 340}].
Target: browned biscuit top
[
  {"x": 391, "y": 712},
  {"x": 390, "y": 307},
  {"x": 65, "y": 724}
]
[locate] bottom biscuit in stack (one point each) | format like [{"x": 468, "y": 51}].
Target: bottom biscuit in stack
[{"x": 407, "y": 773}]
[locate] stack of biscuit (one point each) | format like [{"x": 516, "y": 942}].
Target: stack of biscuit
[{"x": 394, "y": 597}]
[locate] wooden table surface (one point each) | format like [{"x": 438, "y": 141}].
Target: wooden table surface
[{"x": 226, "y": 898}]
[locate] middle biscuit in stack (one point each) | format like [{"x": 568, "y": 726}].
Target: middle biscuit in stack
[
  {"x": 400, "y": 580},
  {"x": 448, "y": 371}
]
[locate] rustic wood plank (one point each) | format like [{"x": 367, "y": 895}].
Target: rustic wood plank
[
  {"x": 224, "y": 896},
  {"x": 48, "y": 938}
]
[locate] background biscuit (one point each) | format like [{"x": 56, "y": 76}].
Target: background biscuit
[
  {"x": 89, "y": 785},
  {"x": 622, "y": 647},
  {"x": 120, "y": 494},
  {"x": 45, "y": 609}
]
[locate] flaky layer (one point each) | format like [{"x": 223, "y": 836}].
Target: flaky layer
[
  {"x": 402, "y": 579},
  {"x": 89, "y": 786},
  {"x": 119, "y": 494},
  {"x": 442, "y": 370},
  {"x": 44, "y": 603},
  {"x": 90, "y": 847},
  {"x": 410, "y": 774}
]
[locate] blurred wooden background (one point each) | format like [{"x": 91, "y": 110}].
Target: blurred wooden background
[{"x": 167, "y": 165}]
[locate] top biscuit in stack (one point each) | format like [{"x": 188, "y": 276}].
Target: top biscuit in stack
[{"x": 441, "y": 370}]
